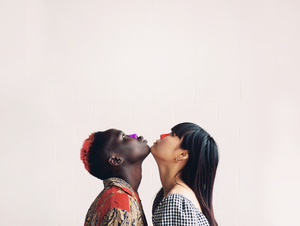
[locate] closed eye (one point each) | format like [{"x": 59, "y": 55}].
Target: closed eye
[{"x": 122, "y": 135}]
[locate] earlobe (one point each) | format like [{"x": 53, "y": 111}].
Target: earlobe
[{"x": 115, "y": 161}]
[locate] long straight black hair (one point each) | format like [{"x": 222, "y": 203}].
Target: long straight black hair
[{"x": 200, "y": 171}]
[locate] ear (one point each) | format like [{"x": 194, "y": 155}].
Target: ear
[
  {"x": 115, "y": 160},
  {"x": 184, "y": 155}
]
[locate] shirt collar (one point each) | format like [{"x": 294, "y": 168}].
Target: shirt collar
[{"x": 118, "y": 182}]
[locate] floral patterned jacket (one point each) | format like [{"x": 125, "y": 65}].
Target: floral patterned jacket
[{"x": 117, "y": 204}]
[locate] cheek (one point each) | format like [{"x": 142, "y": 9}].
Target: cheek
[
  {"x": 162, "y": 148},
  {"x": 165, "y": 144},
  {"x": 138, "y": 148}
]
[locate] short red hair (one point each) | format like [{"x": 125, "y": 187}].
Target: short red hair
[{"x": 86, "y": 152}]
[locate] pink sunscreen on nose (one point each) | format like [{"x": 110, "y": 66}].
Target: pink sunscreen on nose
[
  {"x": 164, "y": 135},
  {"x": 133, "y": 135}
]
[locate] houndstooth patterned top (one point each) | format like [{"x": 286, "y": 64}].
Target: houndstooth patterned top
[{"x": 175, "y": 209}]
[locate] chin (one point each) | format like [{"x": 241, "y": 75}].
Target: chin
[
  {"x": 151, "y": 150},
  {"x": 148, "y": 152}
]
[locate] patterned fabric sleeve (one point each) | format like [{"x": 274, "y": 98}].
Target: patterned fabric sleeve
[
  {"x": 116, "y": 217},
  {"x": 117, "y": 204}
]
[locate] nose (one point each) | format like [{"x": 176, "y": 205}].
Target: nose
[
  {"x": 133, "y": 135},
  {"x": 163, "y": 136}
]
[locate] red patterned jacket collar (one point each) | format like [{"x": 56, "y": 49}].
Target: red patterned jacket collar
[{"x": 118, "y": 182}]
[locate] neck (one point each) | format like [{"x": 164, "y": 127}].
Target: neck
[
  {"x": 169, "y": 175},
  {"x": 132, "y": 175}
]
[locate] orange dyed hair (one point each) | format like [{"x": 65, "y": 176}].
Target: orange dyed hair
[{"x": 86, "y": 151}]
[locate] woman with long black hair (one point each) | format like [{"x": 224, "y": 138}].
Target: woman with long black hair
[{"x": 187, "y": 160}]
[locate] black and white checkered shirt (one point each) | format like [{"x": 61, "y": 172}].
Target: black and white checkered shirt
[{"x": 175, "y": 209}]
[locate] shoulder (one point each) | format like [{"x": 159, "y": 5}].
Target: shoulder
[
  {"x": 115, "y": 206},
  {"x": 187, "y": 193},
  {"x": 177, "y": 202},
  {"x": 110, "y": 199},
  {"x": 175, "y": 209},
  {"x": 115, "y": 198},
  {"x": 106, "y": 207},
  {"x": 172, "y": 202},
  {"x": 174, "y": 205}
]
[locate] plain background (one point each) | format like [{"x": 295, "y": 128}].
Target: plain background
[{"x": 70, "y": 67}]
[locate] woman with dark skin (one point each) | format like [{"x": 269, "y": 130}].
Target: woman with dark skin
[
  {"x": 115, "y": 158},
  {"x": 187, "y": 160}
]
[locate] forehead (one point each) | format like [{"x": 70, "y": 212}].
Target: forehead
[
  {"x": 111, "y": 136},
  {"x": 112, "y": 132}
]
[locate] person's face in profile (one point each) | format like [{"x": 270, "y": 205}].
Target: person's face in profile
[
  {"x": 167, "y": 148},
  {"x": 130, "y": 149}
]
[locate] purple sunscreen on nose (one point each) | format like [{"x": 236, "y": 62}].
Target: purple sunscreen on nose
[{"x": 133, "y": 135}]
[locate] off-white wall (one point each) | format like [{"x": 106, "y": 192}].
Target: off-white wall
[{"x": 71, "y": 67}]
